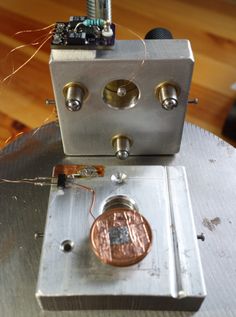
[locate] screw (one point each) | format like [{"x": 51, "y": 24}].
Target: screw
[
  {"x": 73, "y": 105},
  {"x": 38, "y": 235},
  {"x": 118, "y": 178},
  {"x": 201, "y": 236},
  {"x": 121, "y": 92},
  {"x": 167, "y": 95},
  {"x": 122, "y": 155},
  {"x": 49, "y": 102},
  {"x": 169, "y": 104},
  {"x": 75, "y": 94},
  {"x": 193, "y": 101},
  {"x": 121, "y": 145}
]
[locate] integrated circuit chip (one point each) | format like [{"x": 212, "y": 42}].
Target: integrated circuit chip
[{"x": 83, "y": 33}]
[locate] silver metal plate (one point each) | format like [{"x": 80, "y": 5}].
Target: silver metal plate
[
  {"x": 152, "y": 129},
  {"x": 169, "y": 277}
]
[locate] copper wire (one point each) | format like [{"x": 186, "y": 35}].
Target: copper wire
[
  {"x": 44, "y": 122},
  {"x": 91, "y": 190},
  {"x": 22, "y": 46},
  {"x": 10, "y": 138},
  {"x": 27, "y": 61},
  {"x": 44, "y": 38},
  {"x": 14, "y": 137},
  {"x": 37, "y": 181},
  {"x": 33, "y": 43},
  {"x": 35, "y": 30},
  {"x": 133, "y": 75}
]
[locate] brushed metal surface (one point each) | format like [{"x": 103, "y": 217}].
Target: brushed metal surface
[
  {"x": 152, "y": 129},
  {"x": 210, "y": 164},
  {"x": 172, "y": 269}
]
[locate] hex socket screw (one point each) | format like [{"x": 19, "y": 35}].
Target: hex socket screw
[
  {"x": 167, "y": 94},
  {"x": 121, "y": 145},
  {"x": 75, "y": 94}
]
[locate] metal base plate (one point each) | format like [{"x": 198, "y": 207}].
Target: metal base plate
[{"x": 170, "y": 277}]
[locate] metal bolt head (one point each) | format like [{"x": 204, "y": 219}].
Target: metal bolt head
[
  {"x": 121, "y": 145},
  {"x": 118, "y": 178},
  {"x": 167, "y": 94},
  {"x": 73, "y": 105},
  {"x": 75, "y": 94},
  {"x": 122, "y": 155},
  {"x": 169, "y": 104},
  {"x": 121, "y": 91}
]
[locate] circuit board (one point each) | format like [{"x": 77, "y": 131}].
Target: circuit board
[{"x": 83, "y": 33}]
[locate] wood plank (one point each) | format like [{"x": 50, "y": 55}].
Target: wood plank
[
  {"x": 10, "y": 129},
  {"x": 226, "y": 7},
  {"x": 36, "y": 10},
  {"x": 214, "y": 75},
  {"x": 205, "y": 114},
  {"x": 194, "y": 16}
]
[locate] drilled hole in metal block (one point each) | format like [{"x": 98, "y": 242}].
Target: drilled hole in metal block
[
  {"x": 67, "y": 246},
  {"x": 121, "y": 94}
]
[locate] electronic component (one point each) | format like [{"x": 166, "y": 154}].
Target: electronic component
[
  {"x": 79, "y": 170},
  {"x": 83, "y": 33},
  {"x": 61, "y": 181}
]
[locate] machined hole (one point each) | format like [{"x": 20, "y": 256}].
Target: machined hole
[
  {"x": 121, "y": 94},
  {"x": 67, "y": 246},
  {"x": 119, "y": 201}
]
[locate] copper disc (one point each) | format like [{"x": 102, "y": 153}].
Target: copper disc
[{"x": 121, "y": 237}]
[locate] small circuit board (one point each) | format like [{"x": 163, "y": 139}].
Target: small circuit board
[{"x": 83, "y": 33}]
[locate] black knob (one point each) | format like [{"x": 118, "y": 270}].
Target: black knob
[{"x": 159, "y": 34}]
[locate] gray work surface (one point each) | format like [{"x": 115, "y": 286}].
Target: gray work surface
[{"x": 211, "y": 169}]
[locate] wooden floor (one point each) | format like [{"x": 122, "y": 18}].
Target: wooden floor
[{"x": 209, "y": 25}]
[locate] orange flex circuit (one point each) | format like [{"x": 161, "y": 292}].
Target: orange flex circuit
[{"x": 77, "y": 169}]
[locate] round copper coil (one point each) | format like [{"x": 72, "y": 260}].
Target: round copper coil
[{"x": 121, "y": 237}]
